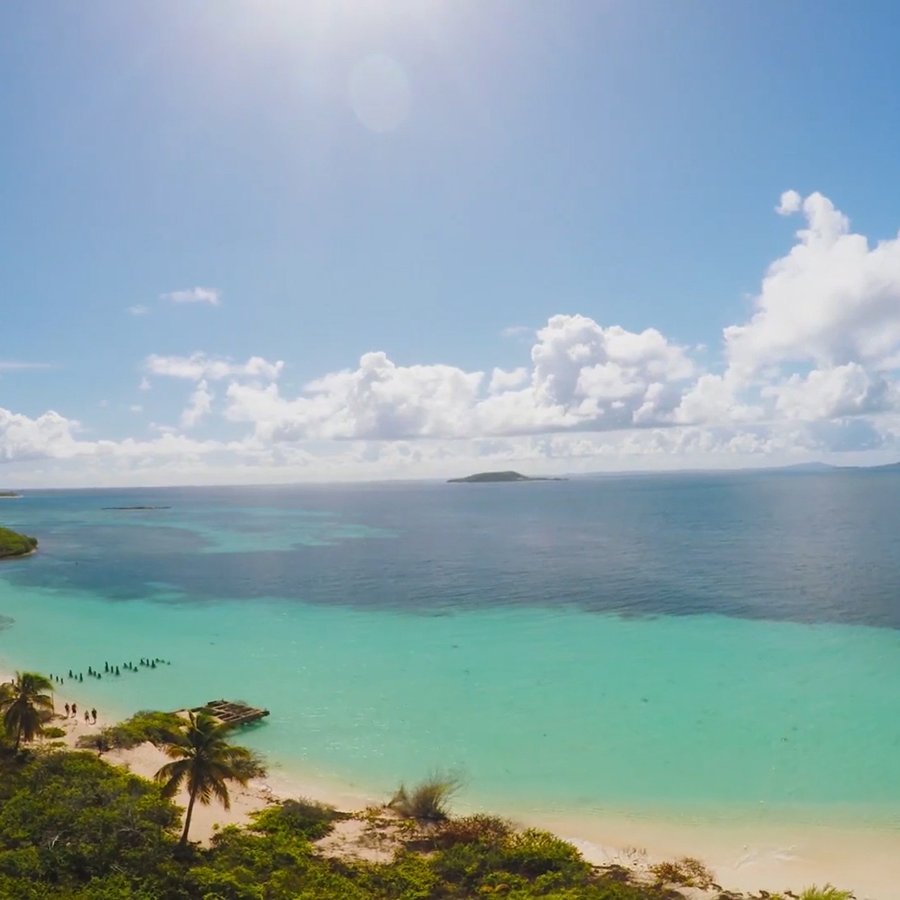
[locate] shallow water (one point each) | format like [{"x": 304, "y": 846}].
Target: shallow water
[{"x": 713, "y": 647}]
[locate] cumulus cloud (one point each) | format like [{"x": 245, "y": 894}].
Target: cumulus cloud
[
  {"x": 502, "y": 380},
  {"x": 199, "y": 406},
  {"x": 199, "y": 366},
  {"x": 606, "y": 376},
  {"x": 378, "y": 399},
  {"x": 48, "y": 435},
  {"x": 210, "y": 296},
  {"x": 834, "y": 393},
  {"x": 582, "y": 376},
  {"x": 790, "y": 203},
  {"x": 812, "y": 369},
  {"x": 833, "y": 299}
]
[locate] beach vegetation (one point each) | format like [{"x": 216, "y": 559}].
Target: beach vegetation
[
  {"x": 305, "y": 818},
  {"x": 68, "y": 818},
  {"x": 476, "y": 829},
  {"x": 686, "y": 872},
  {"x": 26, "y": 705},
  {"x": 829, "y": 892},
  {"x": 53, "y": 732},
  {"x": 427, "y": 801},
  {"x": 73, "y": 827},
  {"x": 97, "y": 740},
  {"x": 14, "y": 544},
  {"x": 204, "y": 762},
  {"x": 147, "y": 725},
  {"x": 516, "y": 858}
]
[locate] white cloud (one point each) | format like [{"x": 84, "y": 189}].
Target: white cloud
[
  {"x": 136, "y": 408},
  {"x": 49, "y": 435},
  {"x": 378, "y": 400},
  {"x": 210, "y": 296},
  {"x": 812, "y": 371},
  {"x": 791, "y": 202},
  {"x": 199, "y": 406},
  {"x": 582, "y": 376},
  {"x": 199, "y": 366},
  {"x": 139, "y": 309},
  {"x": 606, "y": 377},
  {"x": 145, "y": 384},
  {"x": 501, "y": 380},
  {"x": 714, "y": 399},
  {"x": 12, "y": 365},
  {"x": 832, "y": 300},
  {"x": 518, "y": 332},
  {"x": 834, "y": 393}
]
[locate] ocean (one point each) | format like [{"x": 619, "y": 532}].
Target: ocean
[{"x": 712, "y": 647}]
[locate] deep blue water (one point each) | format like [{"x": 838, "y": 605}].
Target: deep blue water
[{"x": 793, "y": 547}]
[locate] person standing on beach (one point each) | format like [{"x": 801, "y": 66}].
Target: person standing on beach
[
  {"x": 74, "y": 710},
  {"x": 94, "y": 715},
  {"x": 67, "y": 710}
]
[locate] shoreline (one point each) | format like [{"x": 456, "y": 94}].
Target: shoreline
[
  {"x": 743, "y": 856},
  {"x": 16, "y": 556}
]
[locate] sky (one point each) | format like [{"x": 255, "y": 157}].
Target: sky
[{"x": 278, "y": 241}]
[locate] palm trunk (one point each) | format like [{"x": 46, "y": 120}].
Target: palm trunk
[
  {"x": 187, "y": 819},
  {"x": 18, "y": 737}
]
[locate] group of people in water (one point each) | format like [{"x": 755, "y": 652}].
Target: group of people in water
[
  {"x": 111, "y": 669},
  {"x": 90, "y": 716}
]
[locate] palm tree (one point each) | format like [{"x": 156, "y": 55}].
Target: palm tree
[
  {"x": 26, "y": 706},
  {"x": 204, "y": 762}
]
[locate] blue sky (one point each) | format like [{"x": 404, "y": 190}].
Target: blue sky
[{"x": 444, "y": 190}]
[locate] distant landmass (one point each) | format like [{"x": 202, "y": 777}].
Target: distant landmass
[
  {"x": 825, "y": 467},
  {"x": 135, "y": 507},
  {"x": 9, "y": 495},
  {"x": 481, "y": 477},
  {"x": 13, "y": 544}
]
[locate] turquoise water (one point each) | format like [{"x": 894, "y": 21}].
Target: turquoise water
[{"x": 703, "y": 647}]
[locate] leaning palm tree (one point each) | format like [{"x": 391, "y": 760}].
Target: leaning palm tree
[
  {"x": 203, "y": 761},
  {"x": 26, "y": 706}
]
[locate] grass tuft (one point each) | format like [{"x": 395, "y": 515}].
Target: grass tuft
[
  {"x": 686, "y": 871},
  {"x": 427, "y": 801},
  {"x": 829, "y": 892},
  {"x": 478, "y": 829}
]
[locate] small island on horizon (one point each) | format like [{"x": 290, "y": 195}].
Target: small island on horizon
[
  {"x": 133, "y": 508},
  {"x": 483, "y": 477},
  {"x": 13, "y": 544},
  {"x": 10, "y": 495}
]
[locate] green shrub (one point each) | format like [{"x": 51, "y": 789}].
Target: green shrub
[
  {"x": 533, "y": 853},
  {"x": 514, "y": 859},
  {"x": 147, "y": 725},
  {"x": 304, "y": 818},
  {"x": 53, "y": 732},
  {"x": 829, "y": 892},
  {"x": 426, "y": 802},
  {"x": 69, "y": 817},
  {"x": 101, "y": 741},
  {"x": 409, "y": 876},
  {"x": 686, "y": 871},
  {"x": 476, "y": 829}
]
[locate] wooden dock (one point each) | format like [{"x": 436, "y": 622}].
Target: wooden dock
[{"x": 231, "y": 712}]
